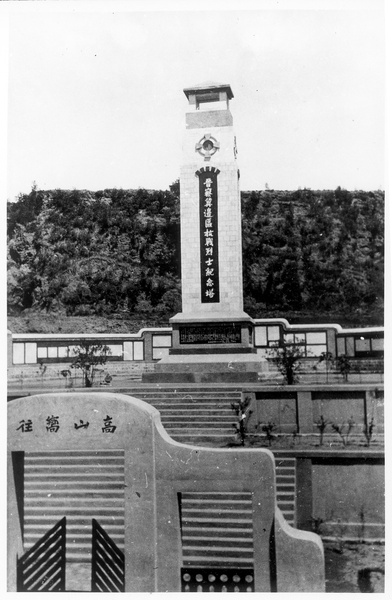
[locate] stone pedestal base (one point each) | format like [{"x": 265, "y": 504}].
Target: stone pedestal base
[
  {"x": 214, "y": 368},
  {"x": 210, "y": 348}
]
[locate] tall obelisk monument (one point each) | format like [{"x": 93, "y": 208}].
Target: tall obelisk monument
[
  {"x": 211, "y": 248},
  {"x": 212, "y": 321}
]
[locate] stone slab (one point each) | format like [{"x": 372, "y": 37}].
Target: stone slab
[{"x": 200, "y": 377}]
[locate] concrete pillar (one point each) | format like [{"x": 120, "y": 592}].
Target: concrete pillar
[
  {"x": 305, "y": 412},
  {"x": 9, "y": 349},
  {"x": 304, "y": 494},
  {"x": 147, "y": 338},
  {"x": 331, "y": 342}
]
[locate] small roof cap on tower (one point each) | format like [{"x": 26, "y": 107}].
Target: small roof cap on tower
[{"x": 209, "y": 89}]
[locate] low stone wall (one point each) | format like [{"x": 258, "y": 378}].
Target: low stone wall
[
  {"x": 298, "y": 409},
  {"x": 340, "y": 494},
  {"x": 52, "y": 374}
]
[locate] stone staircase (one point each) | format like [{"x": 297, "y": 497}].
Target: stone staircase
[
  {"x": 204, "y": 415},
  {"x": 286, "y": 487},
  {"x": 78, "y": 485},
  {"x": 193, "y": 416}
]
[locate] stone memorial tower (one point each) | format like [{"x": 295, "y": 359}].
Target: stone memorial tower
[{"x": 212, "y": 321}]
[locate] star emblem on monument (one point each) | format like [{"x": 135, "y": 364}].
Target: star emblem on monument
[{"x": 207, "y": 146}]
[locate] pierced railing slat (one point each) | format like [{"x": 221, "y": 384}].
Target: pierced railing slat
[
  {"x": 42, "y": 567},
  {"x": 107, "y": 562}
]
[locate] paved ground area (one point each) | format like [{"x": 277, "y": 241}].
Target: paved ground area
[
  {"x": 29, "y": 386},
  {"x": 78, "y": 577}
]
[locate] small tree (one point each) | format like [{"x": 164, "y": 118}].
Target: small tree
[
  {"x": 344, "y": 366},
  {"x": 328, "y": 359},
  {"x": 287, "y": 359},
  {"x": 368, "y": 429},
  {"x": 66, "y": 373},
  {"x": 321, "y": 426},
  {"x": 243, "y": 413},
  {"x": 268, "y": 428},
  {"x": 342, "y": 432},
  {"x": 87, "y": 356}
]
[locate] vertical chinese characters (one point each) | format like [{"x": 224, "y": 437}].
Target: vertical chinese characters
[{"x": 209, "y": 235}]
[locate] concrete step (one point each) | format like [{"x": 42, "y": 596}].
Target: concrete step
[
  {"x": 182, "y": 393},
  {"x": 190, "y": 432},
  {"x": 192, "y": 397},
  {"x": 211, "y": 407},
  {"x": 286, "y": 487},
  {"x": 173, "y": 426},
  {"x": 197, "y": 416}
]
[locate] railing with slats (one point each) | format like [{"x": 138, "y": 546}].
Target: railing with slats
[
  {"x": 42, "y": 568},
  {"x": 108, "y": 566}
]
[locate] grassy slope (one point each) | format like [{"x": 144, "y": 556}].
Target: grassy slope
[{"x": 35, "y": 322}]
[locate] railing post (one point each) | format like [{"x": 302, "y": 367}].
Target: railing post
[{"x": 305, "y": 412}]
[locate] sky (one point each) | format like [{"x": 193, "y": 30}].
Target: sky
[{"x": 95, "y": 91}]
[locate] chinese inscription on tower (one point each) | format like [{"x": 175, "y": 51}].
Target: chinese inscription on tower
[{"x": 209, "y": 262}]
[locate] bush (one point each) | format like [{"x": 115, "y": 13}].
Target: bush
[
  {"x": 87, "y": 356},
  {"x": 287, "y": 360}
]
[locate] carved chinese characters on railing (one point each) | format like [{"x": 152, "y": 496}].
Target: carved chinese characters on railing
[
  {"x": 108, "y": 425},
  {"x": 25, "y": 426},
  {"x": 52, "y": 425},
  {"x": 209, "y": 257},
  {"x": 81, "y": 425}
]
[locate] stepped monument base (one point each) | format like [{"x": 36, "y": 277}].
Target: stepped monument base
[{"x": 214, "y": 350}]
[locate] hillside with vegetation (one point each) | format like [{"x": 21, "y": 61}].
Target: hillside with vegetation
[{"x": 110, "y": 260}]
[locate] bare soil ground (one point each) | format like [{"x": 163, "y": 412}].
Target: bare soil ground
[
  {"x": 35, "y": 322},
  {"x": 349, "y": 567},
  {"x": 354, "y": 567},
  {"x": 311, "y": 442}
]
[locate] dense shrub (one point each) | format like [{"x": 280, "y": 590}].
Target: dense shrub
[{"x": 305, "y": 253}]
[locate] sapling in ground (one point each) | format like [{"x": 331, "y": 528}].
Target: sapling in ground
[
  {"x": 341, "y": 529},
  {"x": 317, "y": 523},
  {"x": 87, "y": 355},
  {"x": 295, "y": 436},
  {"x": 368, "y": 431},
  {"x": 268, "y": 428},
  {"x": 66, "y": 373},
  {"x": 243, "y": 413},
  {"x": 362, "y": 520},
  {"x": 321, "y": 425},
  {"x": 287, "y": 360},
  {"x": 343, "y": 430},
  {"x": 344, "y": 366},
  {"x": 327, "y": 358}
]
